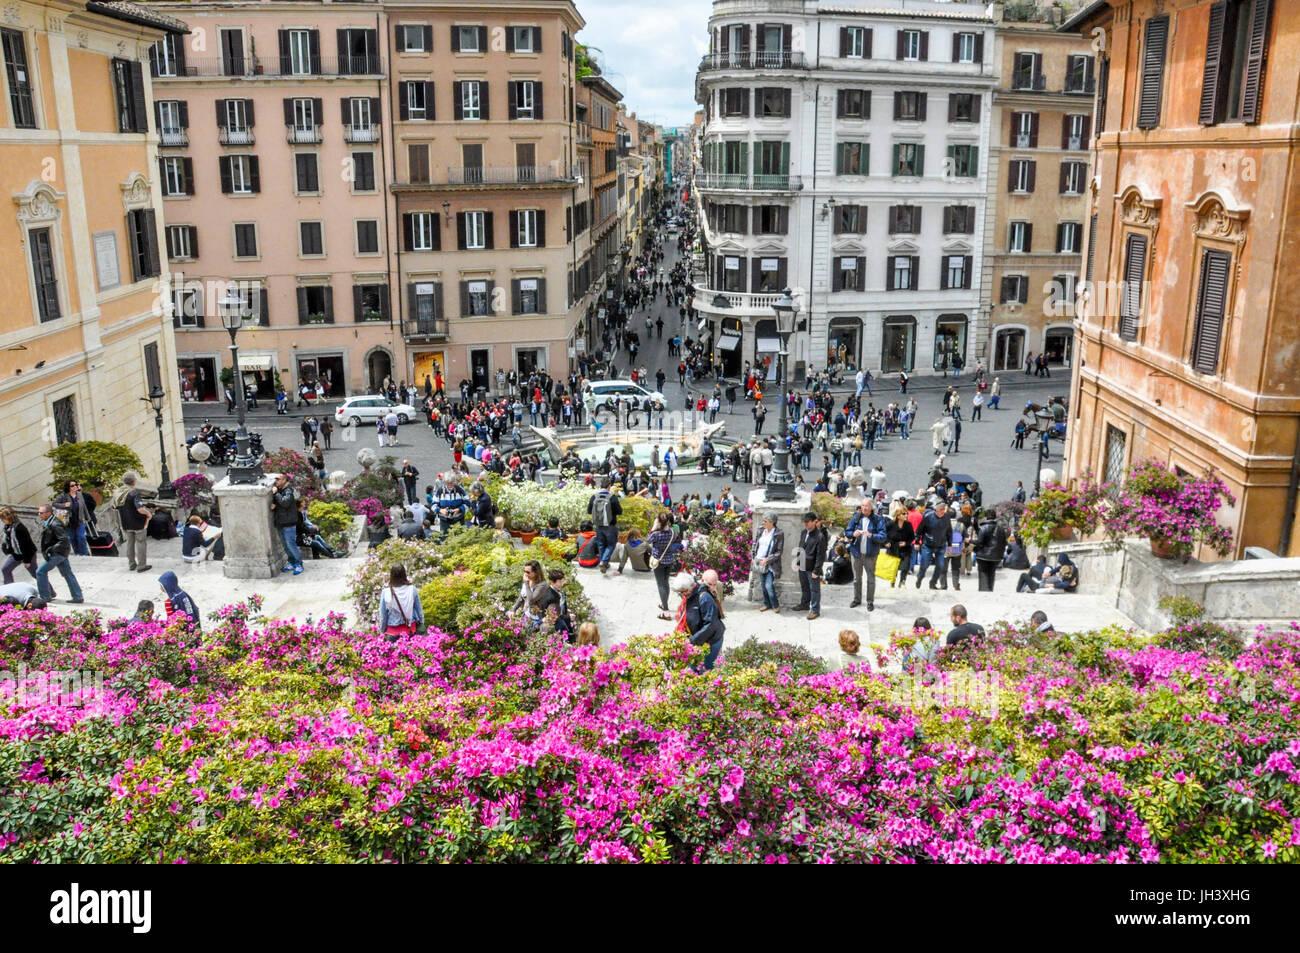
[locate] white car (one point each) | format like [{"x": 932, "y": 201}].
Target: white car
[
  {"x": 609, "y": 393},
  {"x": 368, "y": 409}
]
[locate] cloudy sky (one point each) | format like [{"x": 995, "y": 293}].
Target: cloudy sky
[{"x": 650, "y": 50}]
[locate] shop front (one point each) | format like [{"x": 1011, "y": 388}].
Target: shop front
[
  {"x": 898, "y": 350},
  {"x": 323, "y": 375},
  {"x": 198, "y": 378},
  {"x": 1058, "y": 345},
  {"x": 767, "y": 348},
  {"x": 428, "y": 364},
  {"x": 844, "y": 344},
  {"x": 728, "y": 346},
  {"x": 949, "y": 340},
  {"x": 259, "y": 372},
  {"x": 1008, "y": 348}
]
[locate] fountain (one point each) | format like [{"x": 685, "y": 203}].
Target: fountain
[{"x": 594, "y": 444}]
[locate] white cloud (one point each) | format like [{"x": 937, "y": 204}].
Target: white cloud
[{"x": 650, "y": 53}]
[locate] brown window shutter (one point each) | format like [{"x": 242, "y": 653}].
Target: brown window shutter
[
  {"x": 1103, "y": 81},
  {"x": 1153, "y": 72},
  {"x": 956, "y": 47},
  {"x": 898, "y": 53},
  {"x": 1213, "y": 89},
  {"x": 914, "y": 273},
  {"x": 787, "y": 37},
  {"x": 925, "y": 45},
  {"x": 1256, "y": 52},
  {"x": 862, "y": 274},
  {"x": 967, "y": 266},
  {"x": 1015, "y": 130},
  {"x": 979, "y": 48},
  {"x": 1092, "y": 245},
  {"x": 1006, "y": 291},
  {"x": 889, "y": 273},
  {"x": 759, "y": 38},
  {"x": 1211, "y": 305},
  {"x": 1033, "y": 175},
  {"x": 844, "y": 41},
  {"x": 1033, "y": 130},
  {"x": 1065, "y": 176},
  {"x": 1135, "y": 264}
]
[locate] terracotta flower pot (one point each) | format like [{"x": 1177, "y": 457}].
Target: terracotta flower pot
[
  {"x": 1161, "y": 547},
  {"x": 527, "y": 537},
  {"x": 1063, "y": 532}
]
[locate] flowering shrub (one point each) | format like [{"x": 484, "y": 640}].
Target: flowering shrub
[
  {"x": 1158, "y": 503},
  {"x": 794, "y": 659},
  {"x": 193, "y": 490},
  {"x": 1081, "y": 505},
  {"x": 722, "y": 543},
  {"x": 531, "y": 505},
  {"x": 280, "y": 742},
  {"x": 294, "y": 465}
]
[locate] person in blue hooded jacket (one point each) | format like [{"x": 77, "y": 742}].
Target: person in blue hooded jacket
[{"x": 182, "y": 603}]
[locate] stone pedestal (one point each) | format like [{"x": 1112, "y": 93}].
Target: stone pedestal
[
  {"x": 254, "y": 549},
  {"x": 789, "y": 519}
]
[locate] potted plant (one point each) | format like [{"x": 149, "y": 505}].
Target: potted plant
[
  {"x": 1058, "y": 511},
  {"x": 96, "y": 465},
  {"x": 1174, "y": 511}
]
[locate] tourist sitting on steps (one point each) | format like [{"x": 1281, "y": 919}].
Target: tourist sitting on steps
[{"x": 588, "y": 550}]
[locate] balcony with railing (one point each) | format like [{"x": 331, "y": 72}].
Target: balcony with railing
[
  {"x": 425, "y": 328},
  {"x": 235, "y": 137},
  {"x": 583, "y": 133},
  {"x": 251, "y": 67},
  {"x": 753, "y": 59},
  {"x": 740, "y": 181},
  {"x": 1023, "y": 81},
  {"x": 734, "y": 302},
  {"x": 297, "y": 135},
  {"x": 490, "y": 175},
  {"x": 173, "y": 137},
  {"x": 357, "y": 133},
  {"x": 1079, "y": 87}
]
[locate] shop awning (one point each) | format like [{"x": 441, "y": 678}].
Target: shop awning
[
  {"x": 728, "y": 342},
  {"x": 769, "y": 344},
  {"x": 255, "y": 362}
]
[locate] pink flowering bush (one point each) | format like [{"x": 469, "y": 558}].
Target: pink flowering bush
[
  {"x": 1158, "y": 503},
  {"x": 264, "y": 740},
  {"x": 1081, "y": 505},
  {"x": 720, "y": 542}
]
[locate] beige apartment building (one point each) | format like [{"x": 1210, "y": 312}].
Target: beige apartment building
[
  {"x": 84, "y": 336},
  {"x": 1038, "y": 174},
  {"x": 274, "y": 184},
  {"x": 486, "y": 172}
]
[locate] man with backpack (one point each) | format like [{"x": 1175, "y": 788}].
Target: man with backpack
[{"x": 605, "y": 509}]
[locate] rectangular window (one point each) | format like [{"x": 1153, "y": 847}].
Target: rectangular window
[
  {"x": 733, "y": 102},
  {"x": 1116, "y": 446},
  {"x": 523, "y": 39},
  {"x": 128, "y": 89},
  {"x": 1019, "y": 236},
  {"x": 245, "y": 240},
  {"x": 1021, "y": 175},
  {"x": 963, "y": 107},
  {"x": 956, "y": 272},
  {"x": 1015, "y": 289},
  {"x": 774, "y": 103},
  {"x": 909, "y": 158},
  {"x": 1024, "y": 130},
  {"x": 363, "y": 168},
  {"x": 905, "y": 220},
  {"x": 44, "y": 274},
  {"x": 1027, "y": 73},
  {"x": 733, "y": 273},
  {"x": 311, "y": 239},
  {"x": 143, "y": 235},
  {"x": 851, "y": 158},
  {"x": 358, "y": 52},
  {"x": 467, "y": 38},
  {"x": 526, "y": 233},
  {"x": 425, "y": 298},
  {"x": 306, "y": 178},
  {"x": 1152, "y": 77},
  {"x": 167, "y": 56},
  {"x": 180, "y": 244},
  {"x": 175, "y": 176},
  {"x": 1236, "y": 49},
  {"x": 1078, "y": 74},
  {"x": 303, "y": 119},
  {"x": 414, "y": 38},
  {"x": 1069, "y": 238},
  {"x": 186, "y": 308},
  {"x": 421, "y": 230},
  {"x": 855, "y": 41},
  {"x": 65, "y": 420},
  {"x": 367, "y": 237},
  {"x": 1135, "y": 269},
  {"x": 909, "y": 45},
  {"x": 232, "y": 53},
  {"x": 964, "y": 161},
  {"x": 527, "y": 298},
  {"x": 965, "y": 48},
  {"x": 909, "y": 105},
  {"x": 416, "y": 102},
  {"x": 1073, "y": 177},
  {"x": 1211, "y": 310},
  {"x": 1076, "y": 131},
  {"x": 959, "y": 220},
  {"x": 315, "y": 304},
  {"x": 20, "y": 79},
  {"x": 771, "y": 220},
  {"x": 478, "y": 299},
  {"x": 470, "y": 99},
  {"x": 369, "y": 303},
  {"x": 902, "y": 273},
  {"x": 301, "y": 62},
  {"x": 475, "y": 230},
  {"x": 853, "y": 104},
  {"x": 524, "y": 100},
  {"x": 850, "y": 219},
  {"x": 417, "y": 162},
  {"x": 849, "y": 275}
]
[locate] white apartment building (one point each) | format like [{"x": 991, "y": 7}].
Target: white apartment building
[{"x": 845, "y": 155}]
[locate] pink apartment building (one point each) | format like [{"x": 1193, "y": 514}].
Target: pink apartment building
[{"x": 271, "y": 120}]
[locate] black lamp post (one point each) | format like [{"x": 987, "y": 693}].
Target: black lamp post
[
  {"x": 156, "y": 397},
  {"x": 1043, "y": 454},
  {"x": 245, "y": 468},
  {"x": 780, "y": 482}
]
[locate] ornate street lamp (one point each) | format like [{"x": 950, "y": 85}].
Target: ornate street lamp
[
  {"x": 245, "y": 468},
  {"x": 1043, "y": 453},
  {"x": 156, "y": 397},
  {"x": 780, "y": 482}
]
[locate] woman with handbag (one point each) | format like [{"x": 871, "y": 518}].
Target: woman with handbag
[
  {"x": 898, "y": 542},
  {"x": 400, "y": 612},
  {"x": 665, "y": 557}
]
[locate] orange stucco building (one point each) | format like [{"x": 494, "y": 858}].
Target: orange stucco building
[
  {"x": 85, "y": 333},
  {"x": 1188, "y": 323}
]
